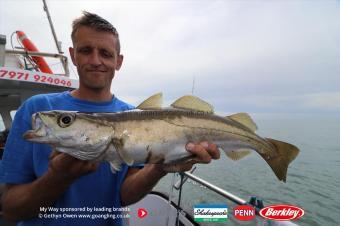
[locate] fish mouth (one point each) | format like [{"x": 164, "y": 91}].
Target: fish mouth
[
  {"x": 31, "y": 135},
  {"x": 39, "y": 130}
]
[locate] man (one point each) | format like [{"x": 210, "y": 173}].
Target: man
[{"x": 34, "y": 181}]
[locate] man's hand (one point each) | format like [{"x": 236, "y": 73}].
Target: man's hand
[
  {"x": 22, "y": 201},
  {"x": 139, "y": 182},
  {"x": 67, "y": 167},
  {"x": 203, "y": 152}
]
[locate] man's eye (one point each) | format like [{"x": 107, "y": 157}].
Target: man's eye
[
  {"x": 84, "y": 50},
  {"x": 106, "y": 54}
]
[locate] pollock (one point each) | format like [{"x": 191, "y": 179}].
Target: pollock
[{"x": 156, "y": 135}]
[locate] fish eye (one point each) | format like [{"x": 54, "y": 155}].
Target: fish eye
[{"x": 65, "y": 120}]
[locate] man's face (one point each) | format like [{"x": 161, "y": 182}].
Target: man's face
[{"x": 96, "y": 58}]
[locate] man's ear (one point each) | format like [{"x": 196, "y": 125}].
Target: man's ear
[
  {"x": 119, "y": 62},
  {"x": 71, "y": 50}
]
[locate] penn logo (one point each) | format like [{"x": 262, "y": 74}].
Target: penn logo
[
  {"x": 244, "y": 212},
  {"x": 282, "y": 212}
]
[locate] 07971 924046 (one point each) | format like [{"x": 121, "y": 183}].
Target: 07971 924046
[{"x": 34, "y": 77}]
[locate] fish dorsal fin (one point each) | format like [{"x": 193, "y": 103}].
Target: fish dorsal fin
[
  {"x": 245, "y": 120},
  {"x": 153, "y": 102},
  {"x": 238, "y": 154},
  {"x": 190, "y": 102}
]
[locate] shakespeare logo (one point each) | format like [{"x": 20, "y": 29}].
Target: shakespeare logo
[{"x": 210, "y": 213}]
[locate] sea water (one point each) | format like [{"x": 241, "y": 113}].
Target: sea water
[{"x": 313, "y": 179}]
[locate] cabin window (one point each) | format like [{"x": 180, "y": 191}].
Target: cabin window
[
  {"x": 13, "y": 114},
  {"x": 2, "y": 124}
]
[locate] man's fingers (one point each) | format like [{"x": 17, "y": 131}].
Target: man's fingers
[
  {"x": 54, "y": 153},
  {"x": 67, "y": 159},
  {"x": 93, "y": 166},
  {"x": 213, "y": 151},
  {"x": 70, "y": 167},
  {"x": 182, "y": 167},
  {"x": 202, "y": 155}
]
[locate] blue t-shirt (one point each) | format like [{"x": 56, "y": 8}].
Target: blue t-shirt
[{"x": 24, "y": 162}]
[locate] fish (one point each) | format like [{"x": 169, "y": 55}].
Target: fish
[{"x": 151, "y": 134}]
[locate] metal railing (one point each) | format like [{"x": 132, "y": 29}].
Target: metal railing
[
  {"x": 62, "y": 58},
  {"x": 216, "y": 189}
]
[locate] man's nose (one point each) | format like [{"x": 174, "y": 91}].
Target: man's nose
[{"x": 95, "y": 58}]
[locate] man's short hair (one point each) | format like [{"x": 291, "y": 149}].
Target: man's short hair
[{"x": 96, "y": 22}]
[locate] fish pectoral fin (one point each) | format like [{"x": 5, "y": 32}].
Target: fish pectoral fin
[
  {"x": 118, "y": 143},
  {"x": 122, "y": 154},
  {"x": 153, "y": 102},
  {"x": 116, "y": 165},
  {"x": 112, "y": 156},
  {"x": 189, "y": 102},
  {"x": 237, "y": 154},
  {"x": 244, "y": 119}
]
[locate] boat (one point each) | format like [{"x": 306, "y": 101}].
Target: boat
[
  {"x": 24, "y": 73},
  {"x": 21, "y": 77}
]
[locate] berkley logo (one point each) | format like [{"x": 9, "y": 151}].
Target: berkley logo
[{"x": 282, "y": 212}]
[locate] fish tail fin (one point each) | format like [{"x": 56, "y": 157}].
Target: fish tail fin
[{"x": 286, "y": 154}]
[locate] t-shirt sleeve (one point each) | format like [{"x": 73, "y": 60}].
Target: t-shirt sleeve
[{"x": 17, "y": 162}]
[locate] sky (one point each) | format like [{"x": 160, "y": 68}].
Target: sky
[{"x": 279, "y": 56}]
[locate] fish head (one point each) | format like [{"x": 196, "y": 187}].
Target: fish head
[{"x": 77, "y": 134}]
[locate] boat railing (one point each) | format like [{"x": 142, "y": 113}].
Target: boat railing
[
  {"x": 2, "y": 49},
  {"x": 62, "y": 58},
  {"x": 24, "y": 53},
  {"x": 216, "y": 189}
]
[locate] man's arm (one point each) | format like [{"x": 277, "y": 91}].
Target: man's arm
[
  {"x": 23, "y": 201},
  {"x": 139, "y": 182}
]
